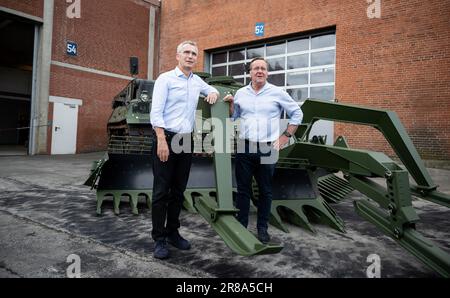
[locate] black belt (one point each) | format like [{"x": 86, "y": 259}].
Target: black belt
[
  {"x": 170, "y": 134},
  {"x": 258, "y": 143}
]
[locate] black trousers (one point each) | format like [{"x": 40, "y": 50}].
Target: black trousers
[
  {"x": 248, "y": 165},
  {"x": 169, "y": 184}
]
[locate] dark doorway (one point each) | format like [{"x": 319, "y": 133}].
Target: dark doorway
[
  {"x": 16, "y": 73},
  {"x": 16, "y": 76}
]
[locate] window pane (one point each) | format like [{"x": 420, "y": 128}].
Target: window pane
[
  {"x": 322, "y": 41},
  {"x": 219, "y": 58},
  {"x": 276, "y": 64},
  {"x": 324, "y": 75},
  {"x": 297, "y": 78},
  {"x": 306, "y": 71},
  {"x": 240, "y": 80},
  {"x": 322, "y": 58},
  {"x": 326, "y": 93},
  {"x": 237, "y": 55},
  {"x": 297, "y": 61},
  {"x": 298, "y": 45},
  {"x": 236, "y": 69},
  {"x": 298, "y": 94},
  {"x": 276, "y": 79},
  {"x": 255, "y": 52},
  {"x": 219, "y": 71},
  {"x": 276, "y": 49}
]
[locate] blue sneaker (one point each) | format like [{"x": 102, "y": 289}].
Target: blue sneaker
[
  {"x": 161, "y": 251},
  {"x": 263, "y": 236},
  {"x": 179, "y": 242}
]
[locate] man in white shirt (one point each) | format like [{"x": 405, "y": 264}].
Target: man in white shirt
[
  {"x": 259, "y": 107},
  {"x": 174, "y": 102}
]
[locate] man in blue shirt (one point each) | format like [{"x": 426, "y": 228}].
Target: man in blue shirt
[
  {"x": 259, "y": 106},
  {"x": 174, "y": 102}
]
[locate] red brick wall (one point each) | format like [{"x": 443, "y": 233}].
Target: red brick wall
[
  {"x": 97, "y": 93},
  {"x": 32, "y": 7},
  {"x": 107, "y": 34},
  {"x": 399, "y": 62}
]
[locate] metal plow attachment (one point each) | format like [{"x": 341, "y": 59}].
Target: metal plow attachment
[
  {"x": 394, "y": 215},
  {"x": 302, "y": 212},
  {"x": 297, "y": 200},
  {"x": 129, "y": 176},
  {"x": 220, "y": 212},
  {"x": 201, "y": 197},
  {"x": 334, "y": 189},
  {"x": 96, "y": 169},
  {"x": 301, "y": 190},
  {"x": 432, "y": 196},
  {"x": 236, "y": 237},
  {"x": 125, "y": 172},
  {"x": 419, "y": 246},
  {"x": 201, "y": 181}
]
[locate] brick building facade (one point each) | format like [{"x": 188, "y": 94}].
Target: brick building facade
[
  {"x": 107, "y": 33},
  {"x": 400, "y": 61}
]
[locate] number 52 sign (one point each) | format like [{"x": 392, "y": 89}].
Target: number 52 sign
[{"x": 259, "y": 29}]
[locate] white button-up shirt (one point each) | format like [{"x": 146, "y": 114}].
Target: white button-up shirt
[
  {"x": 260, "y": 112},
  {"x": 175, "y": 99}
]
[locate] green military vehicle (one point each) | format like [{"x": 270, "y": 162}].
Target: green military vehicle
[
  {"x": 301, "y": 192},
  {"x": 126, "y": 169},
  {"x": 131, "y": 110}
]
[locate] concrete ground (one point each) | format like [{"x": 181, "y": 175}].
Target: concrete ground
[
  {"x": 46, "y": 214},
  {"x": 12, "y": 150}
]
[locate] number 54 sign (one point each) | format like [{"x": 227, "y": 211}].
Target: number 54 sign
[
  {"x": 259, "y": 29},
  {"x": 71, "y": 48}
]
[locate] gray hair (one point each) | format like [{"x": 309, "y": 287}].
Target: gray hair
[{"x": 190, "y": 42}]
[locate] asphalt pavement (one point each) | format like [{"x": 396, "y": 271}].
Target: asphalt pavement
[{"x": 47, "y": 216}]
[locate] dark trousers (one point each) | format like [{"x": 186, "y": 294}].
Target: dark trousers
[
  {"x": 169, "y": 184},
  {"x": 247, "y": 166}
]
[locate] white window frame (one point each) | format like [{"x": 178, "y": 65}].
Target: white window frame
[{"x": 283, "y": 55}]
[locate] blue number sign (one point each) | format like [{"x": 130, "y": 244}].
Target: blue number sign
[
  {"x": 72, "y": 48},
  {"x": 259, "y": 29}
]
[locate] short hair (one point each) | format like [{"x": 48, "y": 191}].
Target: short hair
[
  {"x": 190, "y": 42},
  {"x": 256, "y": 59}
]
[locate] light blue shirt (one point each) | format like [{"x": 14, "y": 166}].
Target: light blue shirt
[
  {"x": 175, "y": 99},
  {"x": 260, "y": 112}
]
